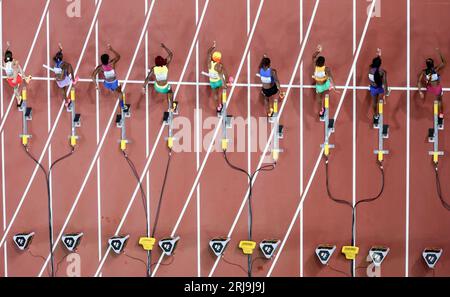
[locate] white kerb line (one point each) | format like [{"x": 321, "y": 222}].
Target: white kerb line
[
  {"x": 236, "y": 77},
  {"x": 45, "y": 146},
  {"x": 197, "y": 143},
  {"x": 97, "y": 153},
  {"x": 5, "y": 250},
  {"x": 408, "y": 129},
  {"x": 305, "y": 193},
  {"x": 33, "y": 44},
  {"x": 301, "y": 226},
  {"x": 288, "y": 91},
  {"x": 159, "y": 134}
]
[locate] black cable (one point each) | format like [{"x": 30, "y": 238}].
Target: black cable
[
  {"x": 439, "y": 189},
  {"x": 235, "y": 264},
  {"x": 353, "y": 207},
  {"x": 337, "y": 270},
  {"x": 50, "y": 212},
  {"x": 41, "y": 257},
  {"x": 144, "y": 202},
  {"x": 250, "y": 193}
]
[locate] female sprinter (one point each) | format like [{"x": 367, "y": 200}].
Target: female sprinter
[
  {"x": 14, "y": 74},
  {"x": 63, "y": 74},
  {"x": 217, "y": 73},
  {"x": 323, "y": 77},
  {"x": 108, "y": 67},
  {"x": 378, "y": 83},
  {"x": 270, "y": 83},
  {"x": 432, "y": 80},
  {"x": 161, "y": 71}
]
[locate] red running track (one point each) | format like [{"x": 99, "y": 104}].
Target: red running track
[{"x": 407, "y": 218}]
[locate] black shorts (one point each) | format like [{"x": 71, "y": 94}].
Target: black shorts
[{"x": 270, "y": 92}]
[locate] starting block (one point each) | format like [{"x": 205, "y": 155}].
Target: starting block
[
  {"x": 25, "y": 138},
  {"x": 28, "y": 113},
  {"x": 127, "y": 110},
  {"x": 118, "y": 243},
  {"x": 378, "y": 254},
  {"x": 166, "y": 117},
  {"x": 268, "y": 247},
  {"x": 119, "y": 121},
  {"x": 431, "y": 135},
  {"x": 168, "y": 245},
  {"x": 324, "y": 252},
  {"x": 376, "y": 121},
  {"x": 331, "y": 125},
  {"x": 21, "y": 106},
  {"x": 175, "y": 107},
  {"x": 247, "y": 246},
  {"x": 218, "y": 245},
  {"x": 71, "y": 241},
  {"x": 147, "y": 243},
  {"x": 385, "y": 131},
  {"x": 431, "y": 256},
  {"x": 441, "y": 123},
  {"x": 350, "y": 252},
  {"x": 280, "y": 131},
  {"x": 228, "y": 121},
  {"x": 77, "y": 120},
  {"x": 23, "y": 240}
]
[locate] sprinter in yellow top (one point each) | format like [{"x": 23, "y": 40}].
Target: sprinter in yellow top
[
  {"x": 323, "y": 77},
  {"x": 216, "y": 72},
  {"x": 161, "y": 72}
]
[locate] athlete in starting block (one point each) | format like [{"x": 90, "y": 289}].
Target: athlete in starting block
[
  {"x": 270, "y": 83},
  {"x": 14, "y": 74},
  {"x": 161, "y": 72},
  {"x": 108, "y": 69},
  {"x": 323, "y": 77},
  {"x": 63, "y": 74},
  {"x": 432, "y": 79},
  {"x": 217, "y": 73},
  {"x": 378, "y": 83}
]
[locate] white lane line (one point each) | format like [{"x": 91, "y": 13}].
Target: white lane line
[
  {"x": 408, "y": 129},
  {"x": 219, "y": 124},
  {"x": 36, "y": 168},
  {"x": 25, "y": 65},
  {"x": 97, "y": 137},
  {"x": 99, "y": 147},
  {"x": 162, "y": 126},
  {"x": 245, "y": 85},
  {"x": 354, "y": 130},
  {"x": 288, "y": 91},
  {"x": 197, "y": 144},
  {"x": 300, "y": 205},
  {"x": 301, "y": 145},
  {"x": 147, "y": 129},
  {"x": 5, "y": 253}
]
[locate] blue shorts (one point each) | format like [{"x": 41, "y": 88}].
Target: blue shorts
[
  {"x": 375, "y": 91},
  {"x": 111, "y": 85}
]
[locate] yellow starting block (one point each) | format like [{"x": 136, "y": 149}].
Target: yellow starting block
[
  {"x": 224, "y": 144},
  {"x": 275, "y": 154},
  {"x": 170, "y": 142},
  {"x": 24, "y": 94},
  {"x": 247, "y": 246},
  {"x": 73, "y": 140},
  {"x": 147, "y": 243},
  {"x": 72, "y": 94},
  {"x": 25, "y": 139},
  {"x": 224, "y": 96},
  {"x": 123, "y": 144},
  {"x": 350, "y": 252}
]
